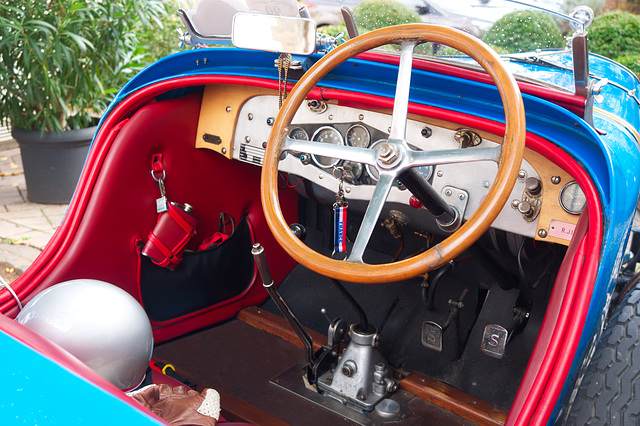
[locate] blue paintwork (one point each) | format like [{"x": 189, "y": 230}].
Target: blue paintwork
[
  {"x": 38, "y": 391},
  {"x": 612, "y": 159}
]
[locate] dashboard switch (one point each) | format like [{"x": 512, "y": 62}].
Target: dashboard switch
[
  {"x": 526, "y": 209},
  {"x": 533, "y": 185}
]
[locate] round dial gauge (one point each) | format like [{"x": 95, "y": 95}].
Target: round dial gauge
[
  {"x": 572, "y": 199},
  {"x": 425, "y": 171},
  {"x": 358, "y": 136},
  {"x": 298, "y": 133},
  {"x": 326, "y": 134},
  {"x": 353, "y": 171},
  {"x": 372, "y": 171}
]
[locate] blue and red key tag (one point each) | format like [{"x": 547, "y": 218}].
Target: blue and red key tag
[{"x": 339, "y": 218}]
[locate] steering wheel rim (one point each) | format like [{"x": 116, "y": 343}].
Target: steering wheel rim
[{"x": 509, "y": 161}]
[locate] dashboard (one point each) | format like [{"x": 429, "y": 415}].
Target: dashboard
[{"x": 545, "y": 202}]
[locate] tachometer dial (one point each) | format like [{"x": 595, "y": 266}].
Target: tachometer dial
[
  {"x": 358, "y": 136},
  {"x": 326, "y": 134}
]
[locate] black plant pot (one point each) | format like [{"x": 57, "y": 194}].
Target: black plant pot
[{"x": 52, "y": 162}]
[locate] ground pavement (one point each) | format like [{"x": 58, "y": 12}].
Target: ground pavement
[{"x": 25, "y": 227}]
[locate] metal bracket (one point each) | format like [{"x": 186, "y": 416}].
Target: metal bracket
[
  {"x": 458, "y": 199},
  {"x": 195, "y": 38},
  {"x": 593, "y": 95}
]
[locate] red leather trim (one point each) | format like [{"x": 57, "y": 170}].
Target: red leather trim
[
  {"x": 527, "y": 400},
  {"x": 109, "y": 205},
  {"x": 31, "y": 280}
]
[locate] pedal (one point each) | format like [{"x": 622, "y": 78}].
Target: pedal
[
  {"x": 432, "y": 332},
  {"x": 494, "y": 341},
  {"x": 432, "y": 335}
]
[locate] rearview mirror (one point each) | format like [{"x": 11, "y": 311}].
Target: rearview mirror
[{"x": 272, "y": 33}]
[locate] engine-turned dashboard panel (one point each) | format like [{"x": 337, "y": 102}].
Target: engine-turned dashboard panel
[{"x": 544, "y": 203}]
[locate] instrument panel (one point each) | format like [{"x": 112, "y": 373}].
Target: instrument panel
[{"x": 545, "y": 201}]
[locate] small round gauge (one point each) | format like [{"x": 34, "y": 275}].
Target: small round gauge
[
  {"x": 372, "y": 171},
  {"x": 572, "y": 199},
  {"x": 326, "y": 134},
  {"x": 358, "y": 136},
  {"x": 298, "y": 133},
  {"x": 425, "y": 171},
  {"x": 353, "y": 171}
]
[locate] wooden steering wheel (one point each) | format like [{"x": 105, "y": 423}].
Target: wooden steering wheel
[{"x": 508, "y": 156}]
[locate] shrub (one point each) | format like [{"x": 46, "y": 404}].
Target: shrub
[
  {"x": 631, "y": 61},
  {"x": 161, "y": 37},
  {"x": 615, "y": 35},
  {"x": 374, "y": 14},
  {"x": 60, "y": 61},
  {"x": 523, "y": 31}
]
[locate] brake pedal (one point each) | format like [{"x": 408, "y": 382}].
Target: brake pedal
[
  {"x": 496, "y": 337},
  {"x": 494, "y": 341},
  {"x": 432, "y": 335}
]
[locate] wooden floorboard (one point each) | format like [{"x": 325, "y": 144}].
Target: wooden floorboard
[
  {"x": 433, "y": 391},
  {"x": 242, "y": 357}
]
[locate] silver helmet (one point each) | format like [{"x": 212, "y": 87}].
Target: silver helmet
[{"x": 99, "y": 323}]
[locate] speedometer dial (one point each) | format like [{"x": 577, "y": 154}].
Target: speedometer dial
[{"x": 326, "y": 134}]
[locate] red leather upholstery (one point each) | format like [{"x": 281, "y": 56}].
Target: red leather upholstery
[{"x": 121, "y": 209}]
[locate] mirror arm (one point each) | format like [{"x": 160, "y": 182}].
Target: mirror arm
[
  {"x": 196, "y": 37},
  {"x": 304, "y": 12},
  {"x": 349, "y": 21},
  {"x": 580, "y": 63}
]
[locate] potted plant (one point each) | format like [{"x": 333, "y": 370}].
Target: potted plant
[{"x": 61, "y": 61}]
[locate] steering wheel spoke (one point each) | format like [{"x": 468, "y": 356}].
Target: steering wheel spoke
[
  {"x": 401, "y": 102},
  {"x": 452, "y": 156},
  {"x": 371, "y": 216},
  {"x": 342, "y": 152}
]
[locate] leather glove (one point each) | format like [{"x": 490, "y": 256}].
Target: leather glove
[{"x": 180, "y": 406}]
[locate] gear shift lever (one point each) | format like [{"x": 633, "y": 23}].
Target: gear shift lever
[{"x": 263, "y": 269}]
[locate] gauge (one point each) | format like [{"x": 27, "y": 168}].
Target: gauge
[
  {"x": 326, "y": 134},
  {"x": 572, "y": 199},
  {"x": 298, "y": 133},
  {"x": 425, "y": 171},
  {"x": 372, "y": 171},
  {"x": 353, "y": 171},
  {"x": 358, "y": 136}
]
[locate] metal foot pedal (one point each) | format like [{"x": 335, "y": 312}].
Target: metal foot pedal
[
  {"x": 494, "y": 341},
  {"x": 432, "y": 335}
]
